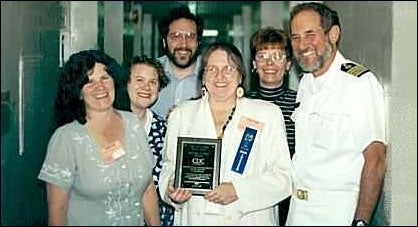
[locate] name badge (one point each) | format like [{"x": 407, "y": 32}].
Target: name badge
[
  {"x": 248, "y": 122},
  {"x": 244, "y": 150},
  {"x": 112, "y": 152}
]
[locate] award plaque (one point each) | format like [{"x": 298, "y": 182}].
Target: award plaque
[{"x": 197, "y": 164}]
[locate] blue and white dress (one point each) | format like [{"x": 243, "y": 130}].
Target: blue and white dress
[{"x": 156, "y": 127}]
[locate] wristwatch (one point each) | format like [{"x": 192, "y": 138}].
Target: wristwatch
[{"x": 359, "y": 222}]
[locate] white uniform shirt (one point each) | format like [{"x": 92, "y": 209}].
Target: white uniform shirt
[
  {"x": 339, "y": 115},
  {"x": 265, "y": 180}
]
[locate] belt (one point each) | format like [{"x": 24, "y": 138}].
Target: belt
[
  {"x": 302, "y": 194},
  {"x": 323, "y": 195}
]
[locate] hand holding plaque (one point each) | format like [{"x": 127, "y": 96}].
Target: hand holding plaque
[{"x": 197, "y": 164}]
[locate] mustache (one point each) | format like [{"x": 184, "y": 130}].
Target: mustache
[
  {"x": 183, "y": 49},
  {"x": 301, "y": 52}
]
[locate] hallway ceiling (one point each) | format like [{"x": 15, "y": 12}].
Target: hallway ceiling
[{"x": 213, "y": 12}]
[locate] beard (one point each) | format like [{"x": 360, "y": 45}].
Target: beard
[
  {"x": 179, "y": 63},
  {"x": 318, "y": 63}
]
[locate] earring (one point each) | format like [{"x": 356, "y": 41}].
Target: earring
[
  {"x": 203, "y": 90},
  {"x": 240, "y": 92},
  {"x": 254, "y": 70}
]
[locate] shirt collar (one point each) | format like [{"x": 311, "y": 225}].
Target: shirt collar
[{"x": 271, "y": 94}]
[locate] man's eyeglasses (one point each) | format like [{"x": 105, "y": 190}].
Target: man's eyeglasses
[
  {"x": 178, "y": 36},
  {"x": 227, "y": 71},
  {"x": 264, "y": 57}
]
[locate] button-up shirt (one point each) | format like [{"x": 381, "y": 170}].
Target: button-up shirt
[
  {"x": 339, "y": 116},
  {"x": 177, "y": 89}
]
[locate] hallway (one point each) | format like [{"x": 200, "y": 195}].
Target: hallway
[{"x": 37, "y": 37}]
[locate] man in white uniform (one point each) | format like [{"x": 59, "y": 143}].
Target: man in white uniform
[{"x": 339, "y": 163}]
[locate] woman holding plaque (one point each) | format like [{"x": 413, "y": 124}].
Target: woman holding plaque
[{"x": 254, "y": 156}]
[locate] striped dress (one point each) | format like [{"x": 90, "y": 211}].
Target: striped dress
[{"x": 286, "y": 99}]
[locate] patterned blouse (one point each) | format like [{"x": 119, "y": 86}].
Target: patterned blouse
[{"x": 156, "y": 133}]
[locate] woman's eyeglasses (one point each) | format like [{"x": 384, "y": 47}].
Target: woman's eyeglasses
[
  {"x": 264, "y": 57},
  {"x": 212, "y": 70}
]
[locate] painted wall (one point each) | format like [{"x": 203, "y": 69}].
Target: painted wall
[
  {"x": 29, "y": 51},
  {"x": 403, "y": 115},
  {"x": 383, "y": 36},
  {"x": 113, "y": 29}
]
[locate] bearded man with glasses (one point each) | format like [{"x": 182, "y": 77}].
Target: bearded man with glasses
[{"x": 181, "y": 33}]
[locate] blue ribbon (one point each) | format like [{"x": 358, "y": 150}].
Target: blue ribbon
[{"x": 244, "y": 150}]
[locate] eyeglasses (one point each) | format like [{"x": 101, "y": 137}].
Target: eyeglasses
[
  {"x": 178, "y": 36},
  {"x": 264, "y": 57},
  {"x": 213, "y": 70}
]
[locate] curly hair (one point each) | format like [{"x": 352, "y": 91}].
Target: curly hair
[
  {"x": 163, "y": 80},
  {"x": 69, "y": 105},
  {"x": 178, "y": 13}
]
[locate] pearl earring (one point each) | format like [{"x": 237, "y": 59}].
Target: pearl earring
[{"x": 240, "y": 92}]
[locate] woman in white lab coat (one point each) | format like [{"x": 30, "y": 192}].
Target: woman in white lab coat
[{"x": 255, "y": 160}]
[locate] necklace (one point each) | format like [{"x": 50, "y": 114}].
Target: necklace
[{"x": 228, "y": 119}]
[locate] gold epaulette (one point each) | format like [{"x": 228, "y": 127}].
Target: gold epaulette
[{"x": 354, "y": 69}]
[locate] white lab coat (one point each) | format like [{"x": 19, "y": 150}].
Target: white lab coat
[
  {"x": 265, "y": 180},
  {"x": 338, "y": 117}
]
